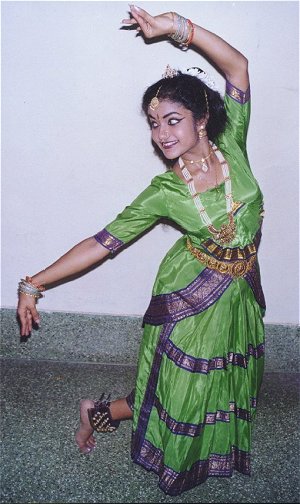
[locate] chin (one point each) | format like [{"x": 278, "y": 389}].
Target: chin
[{"x": 171, "y": 155}]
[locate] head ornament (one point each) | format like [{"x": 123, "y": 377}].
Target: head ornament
[
  {"x": 203, "y": 76},
  {"x": 170, "y": 72}
]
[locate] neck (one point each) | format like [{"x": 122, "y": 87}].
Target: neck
[{"x": 202, "y": 149}]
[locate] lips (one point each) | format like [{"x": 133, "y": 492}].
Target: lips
[{"x": 169, "y": 145}]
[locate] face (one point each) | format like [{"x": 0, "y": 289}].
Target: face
[{"x": 174, "y": 130}]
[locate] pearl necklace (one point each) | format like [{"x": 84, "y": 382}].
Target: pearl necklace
[{"x": 226, "y": 233}]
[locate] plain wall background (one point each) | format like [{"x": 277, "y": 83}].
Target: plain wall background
[{"x": 76, "y": 148}]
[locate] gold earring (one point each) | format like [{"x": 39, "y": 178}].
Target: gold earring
[{"x": 202, "y": 133}]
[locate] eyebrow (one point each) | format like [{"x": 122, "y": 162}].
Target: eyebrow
[{"x": 167, "y": 115}]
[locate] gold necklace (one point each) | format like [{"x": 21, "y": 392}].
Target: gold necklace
[{"x": 204, "y": 167}]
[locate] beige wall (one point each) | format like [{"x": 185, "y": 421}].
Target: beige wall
[{"x": 76, "y": 149}]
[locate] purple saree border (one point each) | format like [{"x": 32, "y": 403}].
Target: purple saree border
[
  {"x": 149, "y": 396},
  {"x": 201, "y": 293},
  {"x": 195, "y": 430},
  {"x": 130, "y": 399},
  {"x": 174, "y": 483},
  {"x": 237, "y": 94},
  {"x": 151, "y": 458},
  {"x": 253, "y": 279},
  {"x": 108, "y": 240},
  {"x": 205, "y": 366}
]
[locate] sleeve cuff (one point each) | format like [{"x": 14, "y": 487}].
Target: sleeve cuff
[
  {"x": 236, "y": 94},
  {"x": 108, "y": 241}
]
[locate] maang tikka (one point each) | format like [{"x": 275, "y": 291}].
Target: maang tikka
[
  {"x": 169, "y": 73},
  {"x": 155, "y": 101}
]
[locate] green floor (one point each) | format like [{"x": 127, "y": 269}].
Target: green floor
[
  {"x": 41, "y": 464},
  {"x": 44, "y": 378}
]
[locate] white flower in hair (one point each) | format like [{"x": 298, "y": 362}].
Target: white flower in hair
[{"x": 203, "y": 76}]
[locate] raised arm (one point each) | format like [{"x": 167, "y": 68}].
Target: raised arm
[
  {"x": 228, "y": 59},
  {"x": 78, "y": 259}
]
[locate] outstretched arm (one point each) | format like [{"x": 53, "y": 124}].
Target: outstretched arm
[
  {"x": 79, "y": 258},
  {"x": 228, "y": 59}
]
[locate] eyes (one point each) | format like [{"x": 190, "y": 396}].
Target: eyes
[{"x": 172, "y": 121}]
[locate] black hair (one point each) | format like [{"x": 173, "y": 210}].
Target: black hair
[{"x": 189, "y": 91}]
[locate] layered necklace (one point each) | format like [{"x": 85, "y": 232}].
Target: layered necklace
[
  {"x": 204, "y": 165},
  {"x": 226, "y": 233}
]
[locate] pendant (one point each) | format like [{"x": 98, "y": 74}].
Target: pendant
[
  {"x": 204, "y": 167},
  {"x": 226, "y": 233}
]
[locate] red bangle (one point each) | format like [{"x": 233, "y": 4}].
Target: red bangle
[
  {"x": 191, "y": 35},
  {"x": 39, "y": 287}
]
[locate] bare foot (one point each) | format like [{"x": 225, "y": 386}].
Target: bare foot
[{"x": 84, "y": 438}]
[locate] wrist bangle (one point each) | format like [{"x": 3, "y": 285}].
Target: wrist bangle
[
  {"x": 191, "y": 35},
  {"x": 173, "y": 23},
  {"x": 183, "y": 32},
  {"x": 31, "y": 282},
  {"x": 28, "y": 288}
]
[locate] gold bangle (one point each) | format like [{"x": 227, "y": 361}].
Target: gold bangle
[{"x": 35, "y": 296}]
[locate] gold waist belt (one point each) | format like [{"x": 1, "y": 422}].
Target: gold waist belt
[{"x": 234, "y": 268}]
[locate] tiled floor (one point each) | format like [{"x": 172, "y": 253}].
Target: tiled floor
[{"x": 40, "y": 462}]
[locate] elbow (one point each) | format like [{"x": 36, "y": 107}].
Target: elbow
[{"x": 244, "y": 64}]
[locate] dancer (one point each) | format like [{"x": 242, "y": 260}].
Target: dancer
[{"x": 202, "y": 353}]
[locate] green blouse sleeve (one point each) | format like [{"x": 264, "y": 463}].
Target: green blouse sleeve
[
  {"x": 237, "y": 106},
  {"x": 141, "y": 214}
]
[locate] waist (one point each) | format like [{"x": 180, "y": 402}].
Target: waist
[{"x": 235, "y": 268}]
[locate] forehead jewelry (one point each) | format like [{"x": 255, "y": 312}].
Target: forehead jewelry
[
  {"x": 169, "y": 73},
  {"x": 155, "y": 101}
]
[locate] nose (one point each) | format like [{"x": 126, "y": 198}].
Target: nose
[{"x": 163, "y": 135}]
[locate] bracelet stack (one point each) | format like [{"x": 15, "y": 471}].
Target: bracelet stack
[
  {"x": 183, "y": 31},
  {"x": 28, "y": 288}
]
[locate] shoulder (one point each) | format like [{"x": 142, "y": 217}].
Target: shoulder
[{"x": 162, "y": 178}]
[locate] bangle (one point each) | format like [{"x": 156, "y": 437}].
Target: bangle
[
  {"x": 173, "y": 21},
  {"x": 28, "y": 288},
  {"x": 30, "y": 281},
  {"x": 191, "y": 35},
  {"x": 184, "y": 31}
]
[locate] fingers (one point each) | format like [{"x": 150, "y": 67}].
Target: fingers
[
  {"x": 135, "y": 10},
  {"x": 27, "y": 315},
  {"x": 130, "y": 21},
  {"x": 35, "y": 315},
  {"x": 25, "y": 322},
  {"x": 141, "y": 18}
]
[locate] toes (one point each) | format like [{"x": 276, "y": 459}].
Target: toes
[
  {"x": 86, "y": 450},
  {"x": 91, "y": 442}
]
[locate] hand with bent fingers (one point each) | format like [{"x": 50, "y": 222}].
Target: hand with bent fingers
[
  {"x": 149, "y": 25},
  {"x": 27, "y": 314}
]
